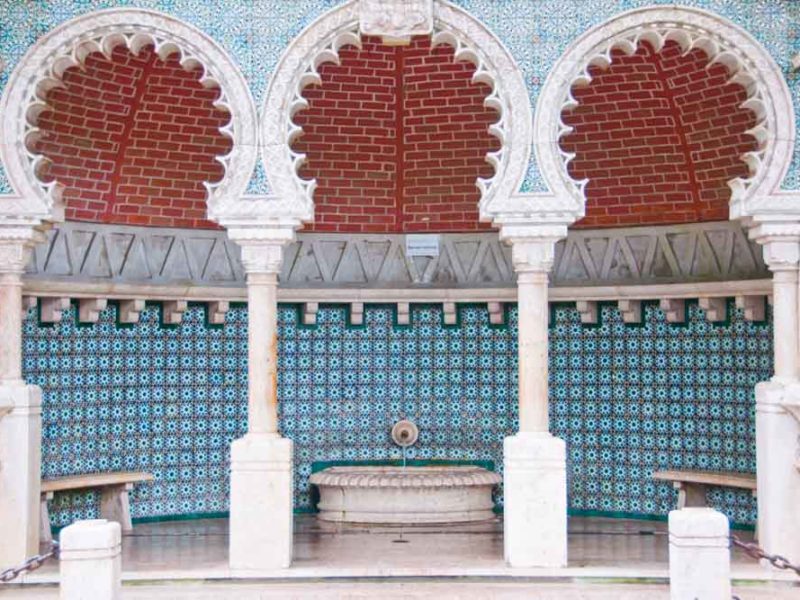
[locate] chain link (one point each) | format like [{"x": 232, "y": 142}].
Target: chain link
[
  {"x": 755, "y": 551},
  {"x": 29, "y": 565}
]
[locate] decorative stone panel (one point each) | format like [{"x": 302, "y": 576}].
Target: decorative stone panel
[{"x": 83, "y": 252}]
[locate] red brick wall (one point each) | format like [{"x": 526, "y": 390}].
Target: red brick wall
[
  {"x": 133, "y": 139},
  {"x": 658, "y": 135},
  {"x": 396, "y": 137},
  {"x": 349, "y": 138}
]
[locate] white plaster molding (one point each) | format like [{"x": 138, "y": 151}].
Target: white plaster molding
[
  {"x": 320, "y": 42},
  {"x": 396, "y": 20},
  {"x": 216, "y": 311},
  {"x": 310, "y": 310},
  {"x": 589, "y": 311},
  {"x": 674, "y": 309},
  {"x": 68, "y": 45},
  {"x": 748, "y": 62},
  {"x": 631, "y": 310},
  {"x": 172, "y": 311},
  {"x": 497, "y": 313},
  {"x": 403, "y": 313},
  {"x": 130, "y": 310},
  {"x": 356, "y": 313},
  {"x": 450, "y": 313},
  {"x": 89, "y": 309},
  {"x": 754, "y": 307},
  {"x": 746, "y": 291},
  {"x": 716, "y": 309},
  {"x": 52, "y": 309}
]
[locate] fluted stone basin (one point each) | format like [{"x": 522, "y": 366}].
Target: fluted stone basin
[{"x": 405, "y": 495}]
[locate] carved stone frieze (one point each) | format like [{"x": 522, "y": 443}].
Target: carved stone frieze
[{"x": 84, "y": 252}]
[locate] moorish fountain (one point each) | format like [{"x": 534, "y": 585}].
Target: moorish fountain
[{"x": 403, "y": 494}]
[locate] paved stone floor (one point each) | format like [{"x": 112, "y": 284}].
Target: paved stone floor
[
  {"x": 416, "y": 590},
  {"x": 608, "y": 558}
]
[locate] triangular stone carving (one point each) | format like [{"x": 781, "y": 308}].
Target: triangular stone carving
[
  {"x": 176, "y": 265},
  {"x": 350, "y": 265},
  {"x": 219, "y": 267},
  {"x": 97, "y": 263},
  {"x": 59, "y": 261}
]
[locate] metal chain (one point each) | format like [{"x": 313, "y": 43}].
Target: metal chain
[
  {"x": 29, "y": 565},
  {"x": 755, "y": 551}
]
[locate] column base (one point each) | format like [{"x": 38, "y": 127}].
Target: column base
[
  {"x": 20, "y": 472},
  {"x": 535, "y": 493},
  {"x": 778, "y": 478},
  {"x": 261, "y": 521}
]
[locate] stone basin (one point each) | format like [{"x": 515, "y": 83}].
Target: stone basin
[{"x": 405, "y": 495}]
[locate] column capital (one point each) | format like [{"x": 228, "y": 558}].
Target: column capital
[
  {"x": 532, "y": 246},
  {"x": 16, "y": 243},
  {"x": 262, "y": 247},
  {"x": 780, "y": 241}
]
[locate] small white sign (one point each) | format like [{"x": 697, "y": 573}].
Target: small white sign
[{"x": 422, "y": 244}]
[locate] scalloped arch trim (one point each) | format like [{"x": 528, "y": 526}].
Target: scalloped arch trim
[
  {"x": 321, "y": 41},
  {"x": 68, "y": 45},
  {"x": 749, "y": 64}
]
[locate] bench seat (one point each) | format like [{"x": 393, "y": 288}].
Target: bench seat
[{"x": 114, "y": 500}]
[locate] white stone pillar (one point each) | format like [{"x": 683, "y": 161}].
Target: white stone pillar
[
  {"x": 535, "y": 480},
  {"x": 91, "y": 561},
  {"x": 20, "y": 411},
  {"x": 777, "y": 431},
  {"x": 261, "y": 511},
  {"x": 699, "y": 555}
]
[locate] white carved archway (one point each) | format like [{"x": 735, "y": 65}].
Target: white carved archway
[
  {"x": 68, "y": 45},
  {"x": 747, "y": 61},
  {"x": 448, "y": 24}
]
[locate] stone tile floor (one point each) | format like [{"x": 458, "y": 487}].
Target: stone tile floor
[
  {"x": 416, "y": 590},
  {"x": 609, "y": 558}
]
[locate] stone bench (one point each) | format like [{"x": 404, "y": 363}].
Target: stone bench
[
  {"x": 114, "y": 501},
  {"x": 692, "y": 485}
]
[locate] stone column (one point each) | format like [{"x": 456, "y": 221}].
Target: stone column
[
  {"x": 20, "y": 411},
  {"x": 777, "y": 430},
  {"x": 261, "y": 511},
  {"x": 535, "y": 481}
]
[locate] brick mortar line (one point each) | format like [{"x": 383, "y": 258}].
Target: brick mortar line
[
  {"x": 400, "y": 148},
  {"x": 125, "y": 138},
  {"x": 679, "y": 128}
]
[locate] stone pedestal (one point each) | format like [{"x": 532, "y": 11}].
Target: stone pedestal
[
  {"x": 20, "y": 472},
  {"x": 778, "y": 479},
  {"x": 91, "y": 561},
  {"x": 261, "y": 503},
  {"x": 535, "y": 497},
  {"x": 699, "y": 555}
]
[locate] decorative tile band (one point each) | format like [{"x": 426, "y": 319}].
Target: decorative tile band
[{"x": 628, "y": 399}]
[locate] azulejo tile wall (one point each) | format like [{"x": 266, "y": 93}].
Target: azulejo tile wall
[{"x": 627, "y": 399}]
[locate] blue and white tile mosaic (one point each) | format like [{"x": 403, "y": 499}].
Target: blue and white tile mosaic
[
  {"x": 627, "y": 399},
  {"x": 537, "y": 32}
]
